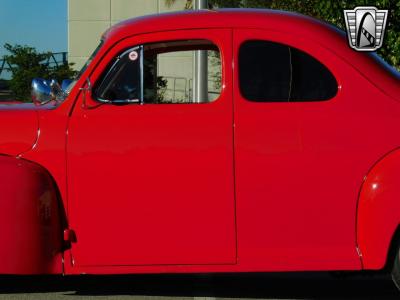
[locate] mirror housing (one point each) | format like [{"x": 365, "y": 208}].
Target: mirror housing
[
  {"x": 44, "y": 91},
  {"x": 41, "y": 91},
  {"x": 65, "y": 84},
  {"x": 57, "y": 92}
]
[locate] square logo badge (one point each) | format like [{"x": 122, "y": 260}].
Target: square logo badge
[{"x": 365, "y": 27}]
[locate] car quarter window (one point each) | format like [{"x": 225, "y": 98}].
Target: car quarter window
[
  {"x": 160, "y": 73},
  {"x": 273, "y": 72}
]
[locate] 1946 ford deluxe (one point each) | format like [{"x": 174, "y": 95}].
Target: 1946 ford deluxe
[{"x": 281, "y": 155}]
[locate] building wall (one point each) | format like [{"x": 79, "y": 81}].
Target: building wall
[{"x": 88, "y": 19}]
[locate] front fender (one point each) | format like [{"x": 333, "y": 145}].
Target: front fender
[
  {"x": 30, "y": 219},
  {"x": 379, "y": 211},
  {"x": 19, "y": 128}
]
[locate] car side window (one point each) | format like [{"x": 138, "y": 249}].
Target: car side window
[
  {"x": 122, "y": 80},
  {"x": 264, "y": 71},
  {"x": 273, "y": 72},
  {"x": 161, "y": 73}
]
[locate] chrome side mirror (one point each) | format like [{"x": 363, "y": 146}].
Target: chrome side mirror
[
  {"x": 65, "y": 84},
  {"x": 44, "y": 91},
  {"x": 57, "y": 92},
  {"x": 41, "y": 91}
]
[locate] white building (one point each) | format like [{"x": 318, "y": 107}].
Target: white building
[{"x": 88, "y": 19}]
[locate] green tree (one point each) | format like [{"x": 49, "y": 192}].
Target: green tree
[
  {"x": 332, "y": 12},
  {"x": 27, "y": 64}
]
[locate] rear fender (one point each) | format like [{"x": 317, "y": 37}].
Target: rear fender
[
  {"x": 31, "y": 219},
  {"x": 379, "y": 211}
]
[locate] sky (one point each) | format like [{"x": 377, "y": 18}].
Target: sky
[{"x": 37, "y": 23}]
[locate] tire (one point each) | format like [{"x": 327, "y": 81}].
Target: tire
[{"x": 396, "y": 268}]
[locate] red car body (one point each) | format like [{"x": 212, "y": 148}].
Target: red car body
[{"x": 228, "y": 186}]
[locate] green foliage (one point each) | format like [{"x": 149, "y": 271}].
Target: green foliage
[
  {"x": 61, "y": 72},
  {"x": 27, "y": 64},
  {"x": 3, "y": 84},
  {"x": 332, "y": 12}
]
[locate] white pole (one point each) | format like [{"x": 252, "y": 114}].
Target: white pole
[
  {"x": 200, "y": 4},
  {"x": 200, "y": 76}
]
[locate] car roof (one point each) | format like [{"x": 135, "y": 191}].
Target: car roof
[{"x": 222, "y": 18}]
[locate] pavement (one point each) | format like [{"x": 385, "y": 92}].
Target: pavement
[{"x": 199, "y": 287}]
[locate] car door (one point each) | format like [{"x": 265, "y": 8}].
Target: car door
[
  {"x": 150, "y": 173},
  {"x": 301, "y": 152}
]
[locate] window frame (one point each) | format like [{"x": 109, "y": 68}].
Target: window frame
[
  {"x": 141, "y": 46},
  {"x": 111, "y": 67}
]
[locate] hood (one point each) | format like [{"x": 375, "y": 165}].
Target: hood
[{"x": 19, "y": 127}]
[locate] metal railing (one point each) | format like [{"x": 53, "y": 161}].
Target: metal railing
[
  {"x": 54, "y": 60},
  {"x": 180, "y": 89}
]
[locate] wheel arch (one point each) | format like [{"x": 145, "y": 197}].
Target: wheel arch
[
  {"x": 378, "y": 211},
  {"x": 32, "y": 218}
]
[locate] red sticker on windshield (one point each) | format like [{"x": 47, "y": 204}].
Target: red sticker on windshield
[{"x": 133, "y": 55}]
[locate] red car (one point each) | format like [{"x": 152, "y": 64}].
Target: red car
[{"x": 286, "y": 159}]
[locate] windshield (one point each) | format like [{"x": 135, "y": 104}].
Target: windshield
[{"x": 69, "y": 88}]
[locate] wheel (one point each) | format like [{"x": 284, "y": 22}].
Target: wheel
[{"x": 396, "y": 268}]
